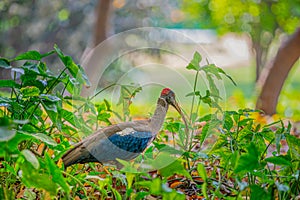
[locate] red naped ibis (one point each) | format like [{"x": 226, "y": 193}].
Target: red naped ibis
[{"x": 124, "y": 140}]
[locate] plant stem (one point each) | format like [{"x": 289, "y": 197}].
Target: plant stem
[
  {"x": 193, "y": 100},
  {"x": 56, "y": 80}
]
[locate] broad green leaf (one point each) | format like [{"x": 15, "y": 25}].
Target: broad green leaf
[
  {"x": 56, "y": 174},
  {"x": 194, "y": 64},
  {"x": 294, "y": 146},
  {"x": 208, "y": 129},
  {"x": 75, "y": 70},
  {"x": 202, "y": 172},
  {"x": 213, "y": 87},
  {"x": 33, "y": 178},
  {"x": 221, "y": 142},
  {"x": 117, "y": 195},
  {"x": 9, "y": 84},
  {"x": 248, "y": 161},
  {"x": 279, "y": 160},
  {"x": 104, "y": 116},
  {"x": 173, "y": 127},
  {"x": 31, "y": 67},
  {"x": 41, "y": 136},
  {"x": 155, "y": 187},
  {"x": 211, "y": 69},
  {"x": 68, "y": 116},
  {"x": 29, "y": 55},
  {"x": 245, "y": 121},
  {"x": 127, "y": 166},
  {"x": 52, "y": 111},
  {"x": 11, "y": 146},
  {"x": 167, "y": 148},
  {"x": 30, "y": 157},
  {"x": 130, "y": 178},
  {"x": 228, "y": 122},
  {"x": 30, "y": 91},
  {"x": 258, "y": 193},
  {"x": 173, "y": 195},
  {"x": 168, "y": 165},
  {"x": 50, "y": 98},
  {"x": 207, "y": 118},
  {"x": 6, "y": 133},
  {"x": 4, "y": 63}
]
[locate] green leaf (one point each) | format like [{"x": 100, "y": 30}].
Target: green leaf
[
  {"x": 47, "y": 54},
  {"x": 29, "y": 55},
  {"x": 167, "y": 148},
  {"x": 9, "y": 84},
  {"x": 221, "y": 142},
  {"x": 195, "y": 62},
  {"x": 50, "y": 98},
  {"x": 32, "y": 178},
  {"x": 196, "y": 93},
  {"x": 4, "y": 63},
  {"x": 6, "y": 133},
  {"x": 30, "y": 91},
  {"x": 31, "y": 67},
  {"x": 68, "y": 116},
  {"x": 11, "y": 146},
  {"x": 175, "y": 166},
  {"x": 41, "y": 136},
  {"x": 130, "y": 178},
  {"x": 155, "y": 187},
  {"x": 56, "y": 174},
  {"x": 75, "y": 70},
  {"x": 248, "y": 161},
  {"x": 30, "y": 157},
  {"x": 202, "y": 172},
  {"x": 228, "y": 122},
  {"x": 258, "y": 193},
  {"x": 173, "y": 127},
  {"x": 208, "y": 129},
  {"x": 279, "y": 160},
  {"x": 229, "y": 77},
  {"x": 294, "y": 146},
  {"x": 51, "y": 110}
]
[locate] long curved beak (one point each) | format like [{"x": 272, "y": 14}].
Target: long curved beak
[{"x": 177, "y": 107}]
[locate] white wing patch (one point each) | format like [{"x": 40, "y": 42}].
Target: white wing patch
[{"x": 126, "y": 131}]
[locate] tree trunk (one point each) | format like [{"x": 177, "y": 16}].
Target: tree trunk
[
  {"x": 102, "y": 21},
  {"x": 258, "y": 58},
  {"x": 287, "y": 55},
  {"x": 103, "y": 12}
]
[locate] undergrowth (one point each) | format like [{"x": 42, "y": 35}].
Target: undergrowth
[{"x": 222, "y": 155}]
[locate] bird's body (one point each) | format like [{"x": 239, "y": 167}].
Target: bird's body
[{"x": 125, "y": 140}]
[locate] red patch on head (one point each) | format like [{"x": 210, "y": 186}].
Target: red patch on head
[{"x": 165, "y": 91}]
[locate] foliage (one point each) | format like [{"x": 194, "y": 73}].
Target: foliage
[
  {"x": 222, "y": 155},
  {"x": 260, "y": 19}
]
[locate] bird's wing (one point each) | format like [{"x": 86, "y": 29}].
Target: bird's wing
[{"x": 81, "y": 152}]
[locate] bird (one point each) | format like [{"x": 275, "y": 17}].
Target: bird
[{"x": 125, "y": 140}]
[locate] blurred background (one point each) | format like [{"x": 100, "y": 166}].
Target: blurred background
[{"x": 255, "y": 41}]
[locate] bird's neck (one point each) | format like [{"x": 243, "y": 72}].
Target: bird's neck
[{"x": 159, "y": 115}]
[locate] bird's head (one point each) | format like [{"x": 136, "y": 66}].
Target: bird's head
[{"x": 169, "y": 96}]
